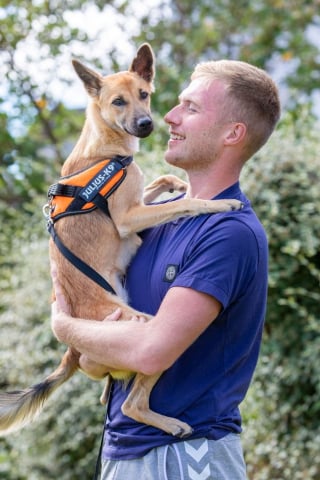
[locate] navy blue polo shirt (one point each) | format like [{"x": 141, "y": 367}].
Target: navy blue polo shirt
[{"x": 224, "y": 255}]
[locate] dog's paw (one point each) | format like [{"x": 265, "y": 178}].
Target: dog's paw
[
  {"x": 235, "y": 204},
  {"x": 163, "y": 184},
  {"x": 181, "y": 429},
  {"x": 227, "y": 205},
  {"x": 171, "y": 183}
]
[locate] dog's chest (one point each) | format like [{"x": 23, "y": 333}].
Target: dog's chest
[{"x": 128, "y": 248}]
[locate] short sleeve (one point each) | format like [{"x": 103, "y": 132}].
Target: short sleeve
[{"x": 221, "y": 260}]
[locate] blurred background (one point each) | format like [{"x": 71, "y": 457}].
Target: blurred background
[{"x": 42, "y": 104}]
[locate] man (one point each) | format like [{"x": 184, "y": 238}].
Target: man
[{"x": 205, "y": 281}]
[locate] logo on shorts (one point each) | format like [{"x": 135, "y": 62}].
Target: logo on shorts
[{"x": 171, "y": 273}]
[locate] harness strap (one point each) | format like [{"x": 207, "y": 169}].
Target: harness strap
[
  {"x": 63, "y": 190},
  {"x": 98, "y": 201},
  {"x": 78, "y": 263}
]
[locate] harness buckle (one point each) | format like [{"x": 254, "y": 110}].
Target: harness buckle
[{"x": 46, "y": 209}]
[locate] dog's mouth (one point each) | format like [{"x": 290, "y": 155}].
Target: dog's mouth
[{"x": 142, "y": 127}]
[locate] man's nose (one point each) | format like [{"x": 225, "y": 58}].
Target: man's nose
[{"x": 172, "y": 116}]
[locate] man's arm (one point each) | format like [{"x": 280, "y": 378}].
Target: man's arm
[{"x": 149, "y": 347}]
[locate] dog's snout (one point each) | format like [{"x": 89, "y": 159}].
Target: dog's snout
[
  {"x": 144, "y": 122},
  {"x": 145, "y": 126}
]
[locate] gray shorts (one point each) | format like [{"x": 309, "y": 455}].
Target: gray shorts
[{"x": 198, "y": 459}]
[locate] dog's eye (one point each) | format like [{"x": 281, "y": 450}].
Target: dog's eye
[
  {"x": 143, "y": 94},
  {"x": 119, "y": 102}
]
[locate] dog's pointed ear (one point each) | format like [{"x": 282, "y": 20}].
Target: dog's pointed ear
[
  {"x": 91, "y": 80},
  {"x": 144, "y": 63}
]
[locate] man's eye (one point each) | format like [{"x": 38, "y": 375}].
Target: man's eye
[
  {"x": 190, "y": 107},
  {"x": 119, "y": 102}
]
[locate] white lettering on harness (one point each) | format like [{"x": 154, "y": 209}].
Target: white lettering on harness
[{"x": 98, "y": 182}]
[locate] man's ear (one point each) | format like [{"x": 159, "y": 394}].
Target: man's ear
[{"x": 235, "y": 133}]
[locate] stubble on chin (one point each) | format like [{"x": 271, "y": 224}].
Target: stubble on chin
[
  {"x": 174, "y": 160},
  {"x": 169, "y": 157}
]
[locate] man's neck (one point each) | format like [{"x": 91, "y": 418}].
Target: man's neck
[{"x": 209, "y": 184}]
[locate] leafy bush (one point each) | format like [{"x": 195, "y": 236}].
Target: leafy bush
[
  {"x": 64, "y": 441},
  {"x": 283, "y": 407},
  {"x": 281, "y": 426}
]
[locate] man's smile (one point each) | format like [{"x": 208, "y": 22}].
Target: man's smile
[{"x": 176, "y": 136}]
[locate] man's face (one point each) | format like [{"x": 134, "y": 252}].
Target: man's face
[{"x": 196, "y": 126}]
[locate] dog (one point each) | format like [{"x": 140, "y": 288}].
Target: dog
[{"x": 102, "y": 234}]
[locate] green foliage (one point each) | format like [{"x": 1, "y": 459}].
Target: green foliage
[
  {"x": 64, "y": 442},
  {"x": 283, "y": 183},
  {"x": 37, "y": 131},
  {"x": 258, "y": 31},
  {"x": 281, "y": 413}
]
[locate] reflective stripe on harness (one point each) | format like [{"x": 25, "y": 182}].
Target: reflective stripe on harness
[{"x": 87, "y": 189}]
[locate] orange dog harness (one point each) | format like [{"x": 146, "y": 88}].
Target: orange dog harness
[
  {"x": 83, "y": 192},
  {"x": 87, "y": 189}
]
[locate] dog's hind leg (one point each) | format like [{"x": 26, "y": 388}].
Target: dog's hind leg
[
  {"x": 137, "y": 407},
  {"x": 106, "y": 390}
]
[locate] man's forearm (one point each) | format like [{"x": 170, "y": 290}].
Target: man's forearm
[
  {"x": 145, "y": 347},
  {"x": 107, "y": 343}
]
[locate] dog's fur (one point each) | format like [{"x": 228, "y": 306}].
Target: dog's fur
[{"x": 117, "y": 115}]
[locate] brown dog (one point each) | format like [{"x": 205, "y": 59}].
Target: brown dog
[{"x": 118, "y": 114}]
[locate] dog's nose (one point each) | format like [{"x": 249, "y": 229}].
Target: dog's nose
[
  {"x": 145, "y": 126},
  {"x": 144, "y": 122}
]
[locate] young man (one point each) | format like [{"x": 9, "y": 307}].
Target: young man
[{"x": 205, "y": 281}]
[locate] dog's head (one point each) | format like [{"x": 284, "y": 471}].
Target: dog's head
[{"x": 122, "y": 100}]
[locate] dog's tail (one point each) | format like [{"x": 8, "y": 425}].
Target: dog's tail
[{"x": 21, "y": 407}]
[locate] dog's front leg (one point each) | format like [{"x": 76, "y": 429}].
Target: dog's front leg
[
  {"x": 137, "y": 407},
  {"x": 141, "y": 216}
]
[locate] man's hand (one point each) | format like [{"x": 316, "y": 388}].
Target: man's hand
[
  {"x": 116, "y": 315},
  {"x": 93, "y": 369},
  {"x": 67, "y": 330}
]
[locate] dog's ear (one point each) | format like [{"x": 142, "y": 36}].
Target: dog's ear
[
  {"x": 144, "y": 63},
  {"x": 91, "y": 80}
]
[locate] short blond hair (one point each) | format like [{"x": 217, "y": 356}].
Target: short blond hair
[{"x": 252, "y": 97}]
